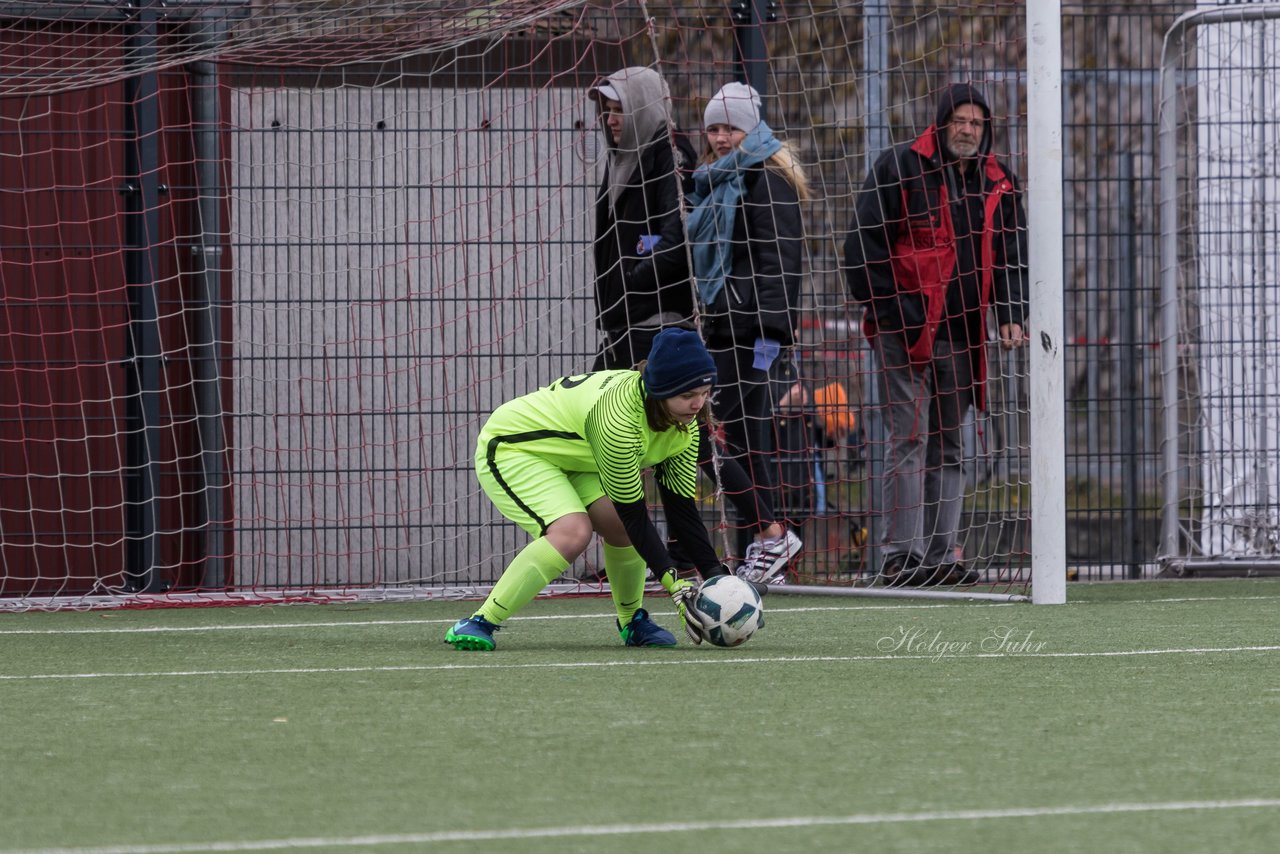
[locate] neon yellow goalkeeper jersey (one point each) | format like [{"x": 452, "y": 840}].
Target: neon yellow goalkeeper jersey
[{"x": 596, "y": 422}]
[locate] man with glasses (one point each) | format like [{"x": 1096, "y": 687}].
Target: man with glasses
[{"x": 938, "y": 242}]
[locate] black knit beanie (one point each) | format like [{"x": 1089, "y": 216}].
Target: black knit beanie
[{"x": 678, "y": 361}]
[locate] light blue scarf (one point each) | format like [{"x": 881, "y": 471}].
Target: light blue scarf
[{"x": 717, "y": 191}]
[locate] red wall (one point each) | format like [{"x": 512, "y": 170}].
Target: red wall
[{"x": 64, "y": 335}]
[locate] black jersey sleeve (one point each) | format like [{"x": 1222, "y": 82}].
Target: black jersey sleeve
[
  {"x": 644, "y": 535},
  {"x": 688, "y": 530}
]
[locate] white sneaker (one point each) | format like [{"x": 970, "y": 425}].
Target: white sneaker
[{"x": 765, "y": 559}]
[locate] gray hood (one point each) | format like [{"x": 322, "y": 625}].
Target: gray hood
[{"x": 646, "y": 108}]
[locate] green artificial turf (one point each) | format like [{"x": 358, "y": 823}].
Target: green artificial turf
[{"x": 1136, "y": 718}]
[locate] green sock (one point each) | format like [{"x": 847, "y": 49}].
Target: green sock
[
  {"x": 537, "y": 565},
  {"x": 625, "y": 570}
]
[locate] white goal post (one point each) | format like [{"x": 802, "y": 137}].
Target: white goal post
[{"x": 1044, "y": 210}]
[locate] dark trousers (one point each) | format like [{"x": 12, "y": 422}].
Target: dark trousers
[
  {"x": 923, "y": 410},
  {"x": 743, "y": 404}
]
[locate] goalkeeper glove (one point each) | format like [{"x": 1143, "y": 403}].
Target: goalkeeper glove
[{"x": 696, "y": 622}]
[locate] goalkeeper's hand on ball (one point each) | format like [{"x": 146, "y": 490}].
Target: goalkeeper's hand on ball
[
  {"x": 696, "y": 623},
  {"x": 685, "y": 595}
]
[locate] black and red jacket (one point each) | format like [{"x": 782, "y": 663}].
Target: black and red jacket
[{"x": 900, "y": 257}]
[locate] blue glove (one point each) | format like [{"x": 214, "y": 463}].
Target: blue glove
[{"x": 766, "y": 350}]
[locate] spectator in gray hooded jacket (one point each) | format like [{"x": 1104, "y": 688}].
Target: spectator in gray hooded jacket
[{"x": 641, "y": 266}]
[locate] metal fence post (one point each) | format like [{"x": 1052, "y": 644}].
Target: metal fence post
[
  {"x": 141, "y": 227},
  {"x": 207, "y": 328},
  {"x": 750, "y": 55},
  {"x": 1127, "y": 281},
  {"x": 875, "y": 61}
]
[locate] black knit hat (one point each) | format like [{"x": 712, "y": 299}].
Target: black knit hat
[
  {"x": 955, "y": 95},
  {"x": 678, "y": 361},
  {"x": 964, "y": 93}
]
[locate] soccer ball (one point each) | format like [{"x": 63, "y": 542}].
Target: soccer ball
[{"x": 733, "y": 607}]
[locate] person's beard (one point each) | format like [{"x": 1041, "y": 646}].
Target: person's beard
[{"x": 963, "y": 150}]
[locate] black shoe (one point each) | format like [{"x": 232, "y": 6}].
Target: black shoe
[
  {"x": 930, "y": 576},
  {"x": 955, "y": 574},
  {"x": 903, "y": 570}
]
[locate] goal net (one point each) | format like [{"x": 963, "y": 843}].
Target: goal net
[
  {"x": 1220, "y": 182},
  {"x": 267, "y": 266}
]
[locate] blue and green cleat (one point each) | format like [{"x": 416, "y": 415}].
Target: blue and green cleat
[
  {"x": 643, "y": 631},
  {"x": 472, "y": 633}
]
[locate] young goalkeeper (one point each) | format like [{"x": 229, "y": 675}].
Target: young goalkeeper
[{"x": 565, "y": 462}]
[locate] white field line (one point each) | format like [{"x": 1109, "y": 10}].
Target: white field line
[
  {"x": 433, "y": 622},
  {"x": 246, "y": 627},
  {"x": 602, "y": 830},
  {"x": 651, "y": 662}
]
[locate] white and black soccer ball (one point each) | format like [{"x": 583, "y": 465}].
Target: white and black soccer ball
[{"x": 732, "y": 609}]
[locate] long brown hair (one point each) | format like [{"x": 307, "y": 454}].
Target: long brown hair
[{"x": 659, "y": 417}]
